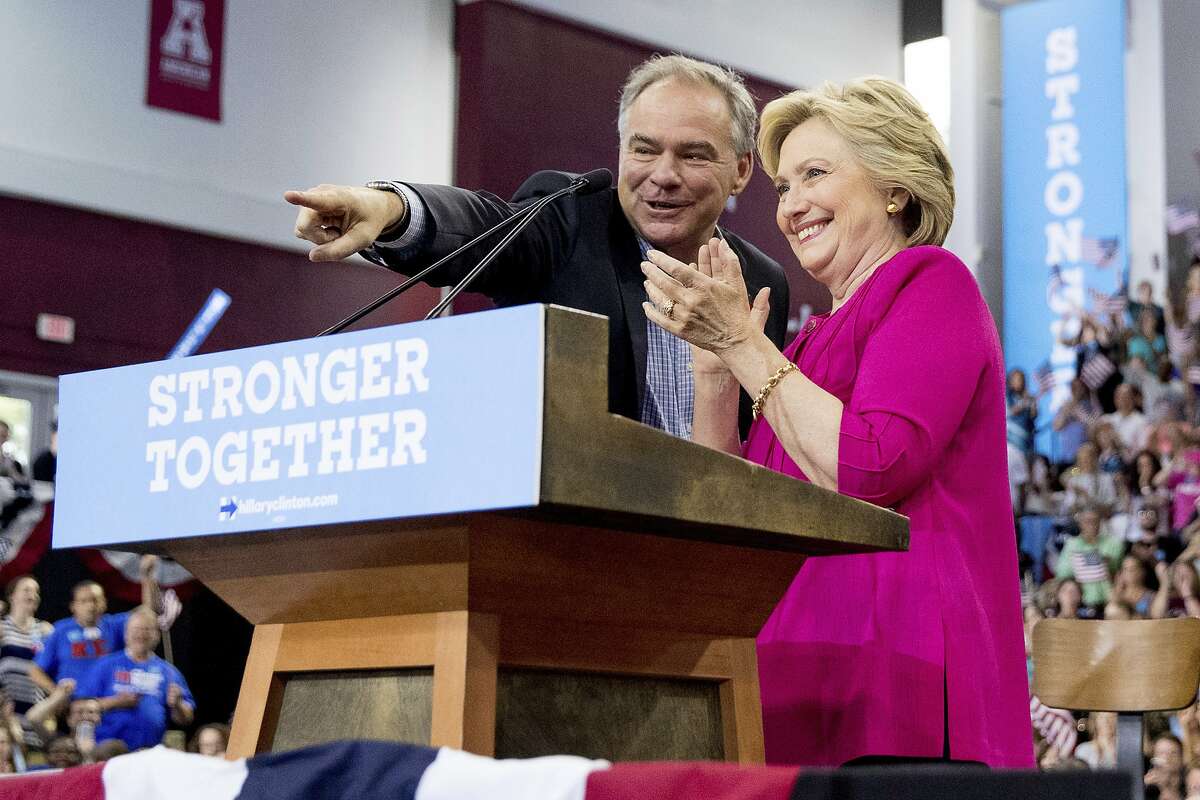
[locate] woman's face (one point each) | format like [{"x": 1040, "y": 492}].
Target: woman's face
[
  {"x": 833, "y": 216},
  {"x": 26, "y": 596},
  {"x": 1016, "y": 381},
  {"x": 210, "y": 743},
  {"x": 1132, "y": 571}
]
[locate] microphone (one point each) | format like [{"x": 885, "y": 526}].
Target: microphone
[{"x": 595, "y": 181}]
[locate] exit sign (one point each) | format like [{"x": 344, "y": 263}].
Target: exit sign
[{"x": 55, "y": 328}]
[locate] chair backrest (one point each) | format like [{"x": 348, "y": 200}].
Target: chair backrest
[{"x": 1116, "y": 665}]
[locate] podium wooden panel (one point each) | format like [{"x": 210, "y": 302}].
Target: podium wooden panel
[{"x": 647, "y": 556}]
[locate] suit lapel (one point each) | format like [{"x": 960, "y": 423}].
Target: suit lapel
[{"x": 626, "y": 261}]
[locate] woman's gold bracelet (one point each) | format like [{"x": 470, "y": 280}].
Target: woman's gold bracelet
[{"x": 769, "y": 386}]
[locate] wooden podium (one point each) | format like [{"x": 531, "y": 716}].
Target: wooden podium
[{"x": 616, "y": 618}]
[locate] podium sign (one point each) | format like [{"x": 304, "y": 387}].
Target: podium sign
[{"x": 409, "y": 420}]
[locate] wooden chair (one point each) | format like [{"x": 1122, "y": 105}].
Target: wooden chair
[{"x": 1126, "y": 666}]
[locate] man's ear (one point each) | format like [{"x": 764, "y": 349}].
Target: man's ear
[{"x": 745, "y": 168}]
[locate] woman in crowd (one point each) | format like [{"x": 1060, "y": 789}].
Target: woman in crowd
[
  {"x": 1021, "y": 408},
  {"x": 1178, "y": 591},
  {"x": 210, "y": 740},
  {"x": 1132, "y": 586},
  {"x": 1146, "y": 342},
  {"x": 21, "y": 636},
  {"x": 1095, "y": 342},
  {"x": 1140, "y": 477},
  {"x": 1109, "y": 456},
  {"x": 1182, "y": 479},
  {"x": 896, "y": 396},
  {"x": 1068, "y": 600}
]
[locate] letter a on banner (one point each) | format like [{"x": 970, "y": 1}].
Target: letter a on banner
[{"x": 184, "y": 68}]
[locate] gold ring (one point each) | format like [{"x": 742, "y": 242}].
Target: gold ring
[{"x": 668, "y": 308}]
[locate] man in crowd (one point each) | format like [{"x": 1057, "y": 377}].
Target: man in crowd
[
  {"x": 88, "y": 633},
  {"x": 138, "y": 692},
  {"x": 686, "y": 136}
]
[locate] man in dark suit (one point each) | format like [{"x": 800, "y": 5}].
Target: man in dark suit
[{"x": 687, "y": 136}]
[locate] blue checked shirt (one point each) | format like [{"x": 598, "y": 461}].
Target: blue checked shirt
[
  {"x": 670, "y": 391},
  {"x": 670, "y": 398}
]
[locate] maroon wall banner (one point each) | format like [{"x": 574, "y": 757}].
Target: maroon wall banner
[{"x": 184, "y": 68}]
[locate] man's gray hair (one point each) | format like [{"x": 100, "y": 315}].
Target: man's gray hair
[{"x": 742, "y": 112}]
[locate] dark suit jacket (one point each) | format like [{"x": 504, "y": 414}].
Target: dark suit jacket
[{"x": 581, "y": 252}]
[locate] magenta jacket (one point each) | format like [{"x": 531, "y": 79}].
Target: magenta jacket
[{"x": 865, "y": 654}]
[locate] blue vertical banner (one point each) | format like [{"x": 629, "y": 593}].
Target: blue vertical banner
[{"x": 1065, "y": 254}]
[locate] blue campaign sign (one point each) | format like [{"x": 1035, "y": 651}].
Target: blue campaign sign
[
  {"x": 1065, "y": 254},
  {"x": 427, "y": 418}
]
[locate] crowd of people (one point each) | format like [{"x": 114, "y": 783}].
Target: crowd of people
[
  {"x": 1108, "y": 512},
  {"x": 89, "y": 687}
]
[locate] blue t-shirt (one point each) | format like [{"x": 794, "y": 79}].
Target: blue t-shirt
[
  {"x": 144, "y": 724},
  {"x": 71, "y": 649}
]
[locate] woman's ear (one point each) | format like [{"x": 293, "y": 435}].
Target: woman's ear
[{"x": 898, "y": 200}]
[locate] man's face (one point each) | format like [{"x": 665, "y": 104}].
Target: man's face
[
  {"x": 678, "y": 165},
  {"x": 141, "y": 634},
  {"x": 88, "y": 604}
]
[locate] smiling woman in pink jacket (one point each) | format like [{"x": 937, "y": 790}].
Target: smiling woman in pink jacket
[{"x": 896, "y": 396}]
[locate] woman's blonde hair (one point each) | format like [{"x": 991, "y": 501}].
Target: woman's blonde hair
[{"x": 893, "y": 138}]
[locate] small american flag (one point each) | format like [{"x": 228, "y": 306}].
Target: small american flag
[
  {"x": 1100, "y": 252},
  {"x": 1089, "y": 566},
  {"x": 1181, "y": 218},
  {"x": 1056, "y": 278},
  {"x": 1055, "y": 725},
  {"x": 1044, "y": 375},
  {"x": 1108, "y": 303},
  {"x": 1096, "y": 370}
]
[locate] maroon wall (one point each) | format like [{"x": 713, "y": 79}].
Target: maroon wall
[
  {"x": 133, "y": 287},
  {"x": 537, "y": 92}
]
